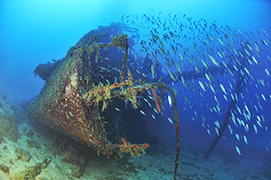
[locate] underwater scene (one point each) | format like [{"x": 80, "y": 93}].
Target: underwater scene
[{"x": 135, "y": 90}]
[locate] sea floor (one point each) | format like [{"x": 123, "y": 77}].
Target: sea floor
[{"x": 30, "y": 150}]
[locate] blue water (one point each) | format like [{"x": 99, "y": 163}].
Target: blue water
[{"x": 35, "y": 32}]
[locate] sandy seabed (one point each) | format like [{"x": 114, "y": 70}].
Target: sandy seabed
[{"x": 30, "y": 150}]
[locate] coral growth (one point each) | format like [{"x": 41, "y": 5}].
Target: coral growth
[
  {"x": 23, "y": 155},
  {"x": 4, "y": 168},
  {"x": 31, "y": 172},
  {"x": 134, "y": 149},
  {"x": 156, "y": 100},
  {"x": 107, "y": 92},
  {"x": 120, "y": 41}
]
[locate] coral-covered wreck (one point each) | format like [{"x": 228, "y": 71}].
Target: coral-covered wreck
[{"x": 82, "y": 85}]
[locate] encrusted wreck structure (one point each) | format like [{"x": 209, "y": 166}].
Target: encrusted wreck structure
[{"x": 80, "y": 87}]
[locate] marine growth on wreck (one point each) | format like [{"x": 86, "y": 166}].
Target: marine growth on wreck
[{"x": 79, "y": 91}]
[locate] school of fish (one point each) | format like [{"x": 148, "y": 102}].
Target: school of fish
[{"x": 203, "y": 62}]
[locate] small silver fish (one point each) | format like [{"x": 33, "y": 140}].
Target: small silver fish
[
  {"x": 142, "y": 112},
  {"x": 169, "y": 100},
  {"x": 170, "y": 120},
  {"x": 238, "y": 150}
]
